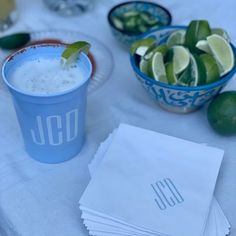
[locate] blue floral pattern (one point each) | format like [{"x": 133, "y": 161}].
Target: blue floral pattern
[{"x": 181, "y": 101}]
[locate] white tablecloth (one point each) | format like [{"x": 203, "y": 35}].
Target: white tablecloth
[{"x": 42, "y": 200}]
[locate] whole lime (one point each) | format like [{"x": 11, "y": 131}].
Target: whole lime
[{"x": 221, "y": 113}]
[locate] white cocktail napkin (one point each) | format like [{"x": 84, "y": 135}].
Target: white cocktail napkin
[
  {"x": 147, "y": 183},
  {"x": 217, "y": 222}
]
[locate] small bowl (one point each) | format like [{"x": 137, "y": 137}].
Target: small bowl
[
  {"x": 180, "y": 99},
  {"x": 158, "y": 12}
]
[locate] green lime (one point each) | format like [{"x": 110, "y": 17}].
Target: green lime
[
  {"x": 221, "y": 32},
  {"x": 171, "y": 77},
  {"x": 143, "y": 66},
  {"x": 176, "y": 38},
  {"x": 181, "y": 58},
  {"x": 152, "y": 50},
  {"x": 71, "y": 52},
  {"x": 156, "y": 67},
  {"x": 196, "y": 30},
  {"x": 212, "y": 71},
  {"x": 203, "y": 46},
  {"x": 118, "y": 22},
  {"x": 222, "y": 52},
  {"x": 141, "y": 46},
  {"x": 194, "y": 74},
  {"x": 221, "y": 113},
  {"x": 14, "y": 41}
]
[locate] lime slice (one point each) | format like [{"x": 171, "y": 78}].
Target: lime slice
[
  {"x": 221, "y": 32},
  {"x": 131, "y": 14},
  {"x": 222, "y": 52},
  {"x": 181, "y": 58},
  {"x": 212, "y": 71},
  {"x": 118, "y": 22},
  {"x": 194, "y": 74},
  {"x": 171, "y": 77},
  {"x": 141, "y": 46},
  {"x": 71, "y": 52},
  {"x": 152, "y": 50},
  {"x": 156, "y": 67},
  {"x": 176, "y": 38},
  {"x": 197, "y": 30},
  {"x": 203, "y": 45},
  {"x": 143, "y": 66}
]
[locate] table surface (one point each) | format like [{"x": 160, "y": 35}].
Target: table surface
[{"x": 39, "y": 199}]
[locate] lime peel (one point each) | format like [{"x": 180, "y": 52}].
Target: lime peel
[
  {"x": 181, "y": 59},
  {"x": 70, "y": 54},
  {"x": 157, "y": 68},
  {"x": 222, "y": 52}
]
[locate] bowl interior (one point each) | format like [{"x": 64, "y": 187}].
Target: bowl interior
[
  {"x": 161, "y": 35},
  {"x": 158, "y": 12}
]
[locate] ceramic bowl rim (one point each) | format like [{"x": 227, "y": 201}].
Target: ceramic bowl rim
[
  {"x": 209, "y": 86},
  {"x": 109, "y": 17}
]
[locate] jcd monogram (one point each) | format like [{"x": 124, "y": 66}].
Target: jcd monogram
[
  {"x": 56, "y": 129},
  {"x": 167, "y": 195}
]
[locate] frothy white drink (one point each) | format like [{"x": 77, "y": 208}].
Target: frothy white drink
[{"x": 45, "y": 76}]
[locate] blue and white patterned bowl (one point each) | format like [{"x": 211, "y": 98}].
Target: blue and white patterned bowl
[
  {"x": 157, "y": 11},
  {"x": 175, "y": 98}
]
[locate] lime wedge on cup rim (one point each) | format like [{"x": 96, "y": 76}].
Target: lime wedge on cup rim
[{"x": 70, "y": 54}]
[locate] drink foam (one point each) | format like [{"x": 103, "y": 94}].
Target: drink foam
[{"x": 45, "y": 76}]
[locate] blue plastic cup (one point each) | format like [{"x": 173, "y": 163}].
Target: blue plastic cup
[{"x": 53, "y": 126}]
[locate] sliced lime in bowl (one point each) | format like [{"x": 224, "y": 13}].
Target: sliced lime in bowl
[{"x": 222, "y": 52}]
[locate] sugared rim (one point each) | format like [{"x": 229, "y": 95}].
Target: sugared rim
[
  {"x": 221, "y": 81},
  {"x": 22, "y": 50},
  {"x": 109, "y": 17}
]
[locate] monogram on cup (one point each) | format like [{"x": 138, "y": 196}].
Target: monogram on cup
[
  {"x": 53, "y": 133},
  {"x": 167, "y": 194}
]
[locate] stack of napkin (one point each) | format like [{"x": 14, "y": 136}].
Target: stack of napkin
[{"x": 146, "y": 183}]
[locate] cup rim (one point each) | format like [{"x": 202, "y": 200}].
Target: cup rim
[
  {"x": 109, "y": 17},
  {"x": 53, "y": 95},
  {"x": 219, "y": 82}
]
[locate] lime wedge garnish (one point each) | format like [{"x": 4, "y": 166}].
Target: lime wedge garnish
[
  {"x": 71, "y": 52},
  {"x": 181, "y": 58},
  {"x": 176, "y": 38},
  {"x": 156, "y": 67},
  {"x": 141, "y": 46},
  {"x": 212, "y": 71},
  {"x": 222, "y": 52},
  {"x": 196, "y": 30}
]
